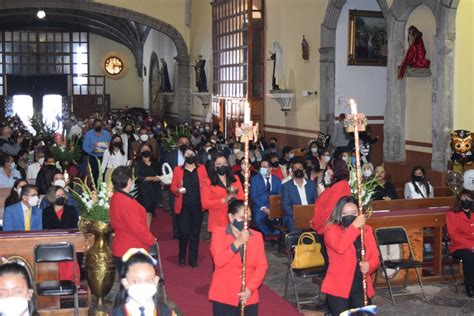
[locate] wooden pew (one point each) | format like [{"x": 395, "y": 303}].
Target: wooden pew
[
  {"x": 276, "y": 211},
  {"x": 438, "y": 192},
  {"x": 22, "y": 244},
  {"x": 302, "y": 216},
  {"x": 414, "y": 216},
  {"x": 4, "y": 193}
]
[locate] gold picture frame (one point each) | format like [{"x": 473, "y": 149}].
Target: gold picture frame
[{"x": 367, "y": 38}]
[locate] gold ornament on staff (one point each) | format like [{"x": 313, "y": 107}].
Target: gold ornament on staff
[
  {"x": 246, "y": 132},
  {"x": 356, "y": 122}
]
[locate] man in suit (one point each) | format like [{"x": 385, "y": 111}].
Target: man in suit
[
  {"x": 176, "y": 158},
  {"x": 297, "y": 191},
  {"x": 262, "y": 186},
  {"x": 24, "y": 215}
]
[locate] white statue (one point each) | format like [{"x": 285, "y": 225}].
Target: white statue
[{"x": 277, "y": 57}]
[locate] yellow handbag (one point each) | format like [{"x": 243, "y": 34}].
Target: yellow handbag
[{"x": 307, "y": 255}]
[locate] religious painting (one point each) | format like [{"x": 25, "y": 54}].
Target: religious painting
[{"x": 367, "y": 38}]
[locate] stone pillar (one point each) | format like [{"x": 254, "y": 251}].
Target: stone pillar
[
  {"x": 327, "y": 84},
  {"x": 394, "y": 116},
  {"x": 183, "y": 91}
]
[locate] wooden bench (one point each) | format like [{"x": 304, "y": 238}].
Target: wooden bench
[
  {"x": 438, "y": 192},
  {"x": 302, "y": 216},
  {"x": 4, "y": 193}
]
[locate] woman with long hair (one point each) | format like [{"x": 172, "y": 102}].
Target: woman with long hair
[
  {"x": 343, "y": 281},
  {"x": 418, "y": 187},
  {"x": 147, "y": 171},
  {"x": 337, "y": 176},
  {"x": 460, "y": 225},
  {"x": 221, "y": 186},
  {"x": 14, "y": 196},
  {"x": 139, "y": 286},
  {"x": 188, "y": 181},
  {"x": 226, "y": 250},
  {"x": 16, "y": 290},
  {"x": 114, "y": 156}
]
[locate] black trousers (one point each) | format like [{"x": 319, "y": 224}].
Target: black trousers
[
  {"x": 94, "y": 164},
  {"x": 189, "y": 228},
  {"x": 467, "y": 257},
  {"x": 173, "y": 214},
  {"x": 220, "y": 309},
  {"x": 337, "y": 304},
  {"x": 324, "y": 251}
]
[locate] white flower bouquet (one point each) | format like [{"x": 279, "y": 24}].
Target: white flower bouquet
[{"x": 368, "y": 187}]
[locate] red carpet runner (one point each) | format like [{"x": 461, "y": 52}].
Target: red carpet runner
[{"x": 188, "y": 287}]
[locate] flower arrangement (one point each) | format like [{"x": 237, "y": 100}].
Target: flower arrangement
[
  {"x": 66, "y": 149},
  {"x": 43, "y": 131},
  {"x": 171, "y": 138},
  {"x": 368, "y": 187},
  {"x": 94, "y": 200}
]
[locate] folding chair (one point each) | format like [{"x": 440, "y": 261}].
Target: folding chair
[
  {"x": 57, "y": 252},
  {"x": 291, "y": 240},
  {"x": 155, "y": 252},
  {"x": 397, "y": 236},
  {"x": 451, "y": 259}
]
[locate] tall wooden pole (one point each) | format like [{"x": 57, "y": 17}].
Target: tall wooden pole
[{"x": 356, "y": 122}]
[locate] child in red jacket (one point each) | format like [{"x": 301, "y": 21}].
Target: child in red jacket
[{"x": 343, "y": 281}]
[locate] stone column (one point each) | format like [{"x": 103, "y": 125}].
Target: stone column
[
  {"x": 327, "y": 84},
  {"x": 183, "y": 91}
]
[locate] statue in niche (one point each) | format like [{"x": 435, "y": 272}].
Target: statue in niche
[
  {"x": 276, "y": 56},
  {"x": 305, "y": 49},
  {"x": 416, "y": 54},
  {"x": 165, "y": 85},
  {"x": 201, "y": 79}
]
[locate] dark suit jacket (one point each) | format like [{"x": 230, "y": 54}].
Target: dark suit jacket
[
  {"x": 69, "y": 218},
  {"x": 259, "y": 193},
  {"x": 13, "y": 219},
  {"x": 172, "y": 158},
  {"x": 290, "y": 195}
]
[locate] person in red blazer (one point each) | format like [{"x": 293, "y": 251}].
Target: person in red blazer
[
  {"x": 343, "y": 281},
  {"x": 226, "y": 250},
  {"x": 215, "y": 195},
  {"x": 188, "y": 181},
  {"x": 127, "y": 217},
  {"x": 460, "y": 225},
  {"x": 338, "y": 173}
]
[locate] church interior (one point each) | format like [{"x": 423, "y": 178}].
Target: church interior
[{"x": 290, "y": 66}]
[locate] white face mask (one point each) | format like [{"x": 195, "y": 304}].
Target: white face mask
[
  {"x": 367, "y": 173},
  {"x": 236, "y": 150},
  {"x": 327, "y": 179},
  {"x": 60, "y": 183},
  {"x": 13, "y": 306},
  {"x": 33, "y": 201},
  {"x": 292, "y": 155},
  {"x": 326, "y": 158},
  {"x": 142, "y": 293},
  {"x": 144, "y": 137},
  {"x": 314, "y": 150},
  {"x": 41, "y": 161},
  {"x": 12, "y": 165}
]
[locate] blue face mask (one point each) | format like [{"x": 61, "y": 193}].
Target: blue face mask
[
  {"x": 354, "y": 161},
  {"x": 263, "y": 171}
]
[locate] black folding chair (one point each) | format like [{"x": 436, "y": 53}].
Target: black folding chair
[
  {"x": 451, "y": 259},
  {"x": 291, "y": 240},
  {"x": 155, "y": 252},
  {"x": 57, "y": 252},
  {"x": 397, "y": 236}
]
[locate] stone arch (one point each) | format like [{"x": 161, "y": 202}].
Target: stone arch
[
  {"x": 182, "y": 58},
  {"x": 443, "y": 78}
]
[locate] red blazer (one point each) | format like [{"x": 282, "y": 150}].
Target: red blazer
[
  {"x": 460, "y": 231},
  {"x": 343, "y": 259},
  {"x": 178, "y": 174},
  {"x": 128, "y": 219},
  {"x": 226, "y": 280},
  {"x": 326, "y": 202},
  {"x": 211, "y": 199}
]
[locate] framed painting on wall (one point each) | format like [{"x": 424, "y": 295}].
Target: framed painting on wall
[{"x": 367, "y": 38}]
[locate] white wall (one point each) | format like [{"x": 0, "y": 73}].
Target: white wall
[
  {"x": 126, "y": 91},
  {"x": 163, "y": 47},
  {"x": 366, "y": 84}
]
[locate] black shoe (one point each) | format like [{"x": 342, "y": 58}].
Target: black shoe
[
  {"x": 194, "y": 265},
  {"x": 181, "y": 263},
  {"x": 469, "y": 290}
]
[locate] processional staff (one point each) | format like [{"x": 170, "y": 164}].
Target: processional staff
[
  {"x": 246, "y": 132},
  {"x": 356, "y": 122}
]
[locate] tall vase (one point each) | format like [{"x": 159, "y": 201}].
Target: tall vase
[{"x": 100, "y": 266}]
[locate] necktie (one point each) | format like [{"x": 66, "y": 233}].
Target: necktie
[
  {"x": 269, "y": 185},
  {"x": 142, "y": 311},
  {"x": 28, "y": 219}
]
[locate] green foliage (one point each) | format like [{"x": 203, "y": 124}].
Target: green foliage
[
  {"x": 171, "y": 137},
  {"x": 43, "y": 131},
  {"x": 69, "y": 151}
]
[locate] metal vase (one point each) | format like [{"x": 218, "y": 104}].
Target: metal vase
[{"x": 100, "y": 266}]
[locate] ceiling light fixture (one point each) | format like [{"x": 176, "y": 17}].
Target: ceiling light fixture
[{"x": 40, "y": 14}]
